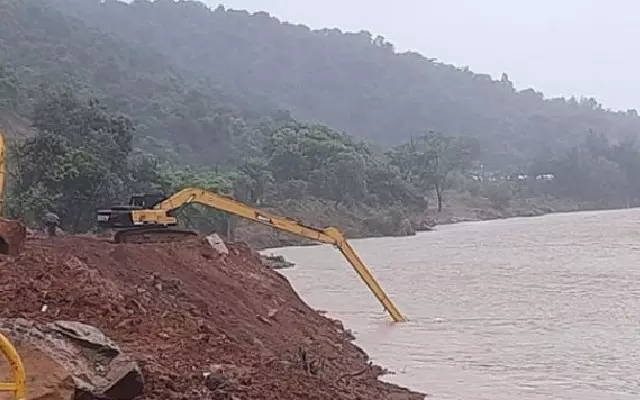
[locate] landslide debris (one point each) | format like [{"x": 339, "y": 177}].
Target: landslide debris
[{"x": 201, "y": 324}]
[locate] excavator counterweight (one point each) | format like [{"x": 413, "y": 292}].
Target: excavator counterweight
[{"x": 149, "y": 219}]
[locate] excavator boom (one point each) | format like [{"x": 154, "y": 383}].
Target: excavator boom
[
  {"x": 141, "y": 223},
  {"x": 214, "y": 200}
]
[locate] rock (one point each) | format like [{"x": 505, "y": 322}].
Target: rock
[
  {"x": 425, "y": 223},
  {"x": 275, "y": 262},
  {"x": 95, "y": 364},
  {"x": 216, "y": 242},
  {"x": 124, "y": 382},
  {"x": 215, "y": 380},
  {"x": 393, "y": 224},
  {"x": 90, "y": 335}
]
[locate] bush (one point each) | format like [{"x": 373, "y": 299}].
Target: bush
[
  {"x": 499, "y": 195},
  {"x": 293, "y": 189}
]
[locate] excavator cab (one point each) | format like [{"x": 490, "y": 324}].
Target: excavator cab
[
  {"x": 147, "y": 200},
  {"x": 121, "y": 216},
  {"x": 141, "y": 222}
]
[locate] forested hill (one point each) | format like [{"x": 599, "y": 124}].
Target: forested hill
[
  {"x": 231, "y": 99},
  {"x": 353, "y": 81},
  {"x": 175, "y": 111}
]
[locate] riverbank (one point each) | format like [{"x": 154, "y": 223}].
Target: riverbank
[
  {"x": 362, "y": 222},
  {"x": 201, "y": 324},
  {"x": 467, "y": 209}
]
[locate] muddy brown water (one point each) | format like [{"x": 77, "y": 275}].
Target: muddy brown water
[{"x": 533, "y": 308}]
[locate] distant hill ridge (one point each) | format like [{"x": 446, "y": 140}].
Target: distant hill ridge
[{"x": 254, "y": 65}]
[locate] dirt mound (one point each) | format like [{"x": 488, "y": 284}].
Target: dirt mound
[{"x": 201, "y": 324}]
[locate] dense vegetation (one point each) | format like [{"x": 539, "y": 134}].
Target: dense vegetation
[
  {"x": 178, "y": 114},
  {"x": 354, "y": 82},
  {"x": 82, "y": 157},
  {"x": 596, "y": 170},
  {"x": 127, "y": 98}
]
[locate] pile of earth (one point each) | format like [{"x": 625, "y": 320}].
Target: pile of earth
[{"x": 200, "y": 324}]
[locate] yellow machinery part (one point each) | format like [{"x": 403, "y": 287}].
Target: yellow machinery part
[
  {"x": 328, "y": 235},
  {"x": 365, "y": 274},
  {"x": 12, "y": 232},
  {"x": 18, "y": 386}
]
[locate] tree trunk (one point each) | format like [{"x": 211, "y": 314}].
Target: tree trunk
[
  {"x": 230, "y": 228},
  {"x": 75, "y": 225},
  {"x": 439, "y": 196}
]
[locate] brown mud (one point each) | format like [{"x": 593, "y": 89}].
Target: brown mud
[{"x": 202, "y": 325}]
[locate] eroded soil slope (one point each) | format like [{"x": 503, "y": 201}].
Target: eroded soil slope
[{"x": 202, "y": 325}]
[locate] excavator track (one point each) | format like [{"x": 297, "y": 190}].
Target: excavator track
[{"x": 153, "y": 235}]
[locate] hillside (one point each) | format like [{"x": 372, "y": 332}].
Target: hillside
[
  {"x": 353, "y": 81},
  {"x": 164, "y": 95},
  {"x": 176, "y": 113}
]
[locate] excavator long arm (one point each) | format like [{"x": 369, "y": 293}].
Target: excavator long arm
[{"x": 328, "y": 235}]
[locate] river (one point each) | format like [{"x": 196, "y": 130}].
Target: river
[{"x": 529, "y": 308}]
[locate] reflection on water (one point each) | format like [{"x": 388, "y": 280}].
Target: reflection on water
[{"x": 537, "y": 308}]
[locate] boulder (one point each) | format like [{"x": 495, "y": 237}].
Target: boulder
[
  {"x": 275, "y": 262},
  {"x": 215, "y": 241},
  {"x": 97, "y": 368},
  {"x": 424, "y": 223}
]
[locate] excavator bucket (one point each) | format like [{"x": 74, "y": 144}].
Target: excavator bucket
[{"x": 13, "y": 234}]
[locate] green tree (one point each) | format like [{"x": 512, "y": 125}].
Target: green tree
[
  {"x": 196, "y": 216},
  {"x": 499, "y": 195},
  {"x": 334, "y": 165},
  {"x": 258, "y": 179},
  {"x": 429, "y": 159},
  {"x": 447, "y": 154},
  {"x": 9, "y": 90},
  {"x": 353, "y": 82},
  {"x": 77, "y": 161},
  {"x": 595, "y": 171}
]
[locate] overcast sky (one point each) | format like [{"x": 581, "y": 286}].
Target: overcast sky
[{"x": 560, "y": 47}]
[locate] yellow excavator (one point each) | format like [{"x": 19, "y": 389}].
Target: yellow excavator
[
  {"x": 148, "y": 218},
  {"x": 12, "y": 232},
  {"x": 12, "y": 236},
  {"x": 18, "y": 385}
]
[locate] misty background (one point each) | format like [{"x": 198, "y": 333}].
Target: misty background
[
  {"x": 562, "y": 48},
  {"x": 326, "y": 126}
]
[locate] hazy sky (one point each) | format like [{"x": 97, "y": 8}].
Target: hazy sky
[{"x": 560, "y": 47}]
